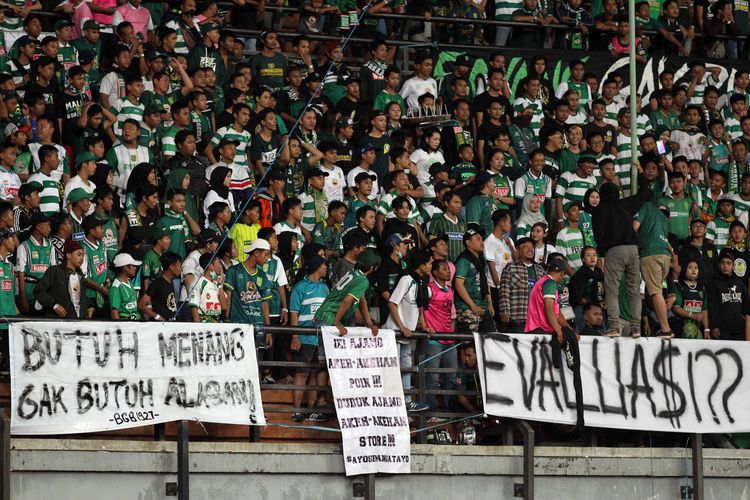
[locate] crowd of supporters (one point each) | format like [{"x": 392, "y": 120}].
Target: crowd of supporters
[{"x": 150, "y": 170}]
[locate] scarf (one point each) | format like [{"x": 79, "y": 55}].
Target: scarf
[
  {"x": 171, "y": 213},
  {"x": 70, "y": 88},
  {"x": 479, "y": 263}
]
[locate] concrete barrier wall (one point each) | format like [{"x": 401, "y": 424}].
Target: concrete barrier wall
[{"x": 126, "y": 470}]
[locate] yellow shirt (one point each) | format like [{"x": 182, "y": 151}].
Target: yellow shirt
[{"x": 243, "y": 235}]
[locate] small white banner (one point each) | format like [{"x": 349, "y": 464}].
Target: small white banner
[
  {"x": 369, "y": 399},
  {"x": 648, "y": 384},
  {"x": 72, "y": 377}
]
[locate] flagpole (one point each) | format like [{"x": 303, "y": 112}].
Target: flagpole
[{"x": 633, "y": 92}]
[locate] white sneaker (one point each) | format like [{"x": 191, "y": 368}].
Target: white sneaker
[{"x": 612, "y": 334}]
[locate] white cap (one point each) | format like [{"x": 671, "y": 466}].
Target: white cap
[
  {"x": 125, "y": 259},
  {"x": 259, "y": 244}
]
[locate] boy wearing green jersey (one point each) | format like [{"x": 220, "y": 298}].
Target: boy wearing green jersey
[
  {"x": 123, "y": 300},
  {"x": 348, "y": 294}
]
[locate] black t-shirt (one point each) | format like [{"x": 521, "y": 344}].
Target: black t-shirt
[
  {"x": 162, "y": 296},
  {"x": 69, "y": 109},
  {"x": 608, "y": 134},
  {"x": 388, "y": 181},
  {"x": 487, "y": 132},
  {"x": 346, "y": 107},
  {"x": 388, "y": 275},
  {"x": 600, "y": 39},
  {"x": 483, "y": 100}
]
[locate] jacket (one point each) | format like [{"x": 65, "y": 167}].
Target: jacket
[
  {"x": 613, "y": 217},
  {"x": 727, "y": 303},
  {"x": 52, "y": 289},
  {"x": 586, "y": 284},
  {"x": 515, "y": 289}
]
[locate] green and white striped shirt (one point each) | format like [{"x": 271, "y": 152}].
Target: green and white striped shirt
[
  {"x": 181, "y": 47},
  {"x": 50, "y": 195},
  {"x": 610, "y": 113},
  {"x": 718, "y": 232},
  {"x": 504, "y": 9},
  {"x": 624, "y": 159},
  {"x": 125, "y": 109},
  {"x": 572, "y": 187},
  {"x": 536, "y": 118},
  {"x": 384, "y": 207},
  {"x": 231, "y": 134},
  {"x": 570, "y": 243},
  {"x": 732, "y": 125},
  {"x": 314, "y": 208}
]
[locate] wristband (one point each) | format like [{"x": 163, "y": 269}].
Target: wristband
[{"x": 284, "y": 309}]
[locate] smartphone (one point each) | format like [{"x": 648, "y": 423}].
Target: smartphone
[{"x": 661, "y": 147}]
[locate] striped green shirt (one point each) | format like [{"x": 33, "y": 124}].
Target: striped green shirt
[
  {"x": 455, "y": 230},
  {"x": 51, "y": 194},
  {"x": 523, "y": 103},
  {"x": 504, "y": 9},
  {"x": 384, "y": 207},
  {"x": 610, "y": 113},
  {"x": 732, "y": 125},
  {"x": 570, "y": 243},
  {"x": 624, "y": 159},
  {"x": 314, "y": 208},
  {"x": 125, "y": 109},
  {"x": 181, "y": 47},
  {"x": 718, "y": 232},
  {"x": 167, "y": 139},
  {"x": 572, "y": 187},
  {"x": 243, "y": 136}
]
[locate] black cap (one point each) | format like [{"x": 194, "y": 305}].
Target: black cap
[
  {"x": 90, "y": 222},
  {"x": 209, "y": 236},
  {"x": 315, "y": 172},
  {"x": 313, "y": 263},
  {"x": 463, "y": 60},
  {"x": 556, "y": 265},
  {"x": 523, "y": 240},
  {"x": 364, "y": 176},
  {"x": 433, "y": 242},
  {"x": 28, "y": 188},
  {"x": 473, "y": 229},
  {"x": 441, "y": 185},
  {"x": 276, "y": 175},
  {"x": 224, "y": 142},
  {"x": 38, "y": 218}
]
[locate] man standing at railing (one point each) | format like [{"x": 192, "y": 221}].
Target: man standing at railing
[{"x": 515, "y": 286}]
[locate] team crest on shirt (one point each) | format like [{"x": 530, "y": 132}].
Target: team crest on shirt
[{"x": 251, "y": 293}]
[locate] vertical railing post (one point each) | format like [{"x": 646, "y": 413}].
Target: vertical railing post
[
  {"x": 697, "y": 466},
  {"x": 370, "y": 487},
  {"x": 528, "y": 460},
  {"x": 4, "y": 457},
  {"x": 422, "y": 394},
  {"x": 183, "y": 460}
]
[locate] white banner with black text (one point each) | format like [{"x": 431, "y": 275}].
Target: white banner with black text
[
  {"x": 72, "y": 377},
  {"x": 646, "y": 384},
  {"x": 369, "y": 400}
]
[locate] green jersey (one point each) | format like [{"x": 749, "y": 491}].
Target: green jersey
[
  {"x": 355, "y": 284},
  {"x": 151, "y": 266},
  {"x": 249, "y": 290},
  {"x": 179, "y": 232},
  {"x": 33, "y": 258},
  {"x": 719, "y": 158},
  {"x": 8, "y": 289},
  {"x": 384, "y": 98},
  {"x": 122, "y": 298},
  {"x": 111, "y": 238},
  {"x": 97, "y": 265},
  {"x": 718, "y": 231},
  {"x": 570, "y": 243},
  {"x": 680, "y": 214},
  {"x": 314, "y": 208},
  {"x": 454, "y": 229},
  {"x": 652, "y": 234},
  {"x": 692, "y": 299},
  {"x": 354, "y": 203},
  {"x": 466, "y": 271},
  {"x": 479, "y": 210}
]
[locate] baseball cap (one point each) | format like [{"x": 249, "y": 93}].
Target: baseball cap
[
  {"x": 315, "y": 172},
  {"x": 396, "y": 239},
  {"x": 312, "y": 77},
  {"x": 91, "y": 25},
  {"x": 84, "y": 157},
  {"x": 572, "y": 204},
  {"x": 433, "y": 242},
  {"x": 25, "y": 40},
  {"x": 694, "y": 221},
  {"x": 463, "y": 60},
  {"x": 368, "y": 259},
  {"x": 125, "y": 259},
  {"x": 206, "y": 28},
  {"x": 154, "y": 109},
  {"x": 62, "y": 23},
  {"x": 152, "y": 54},
  {"x": 726, "y": 197},
  {"x": 275, "y": 174},
  {"x": 363, "y": 176},
  {"x": 259, "y": 244},
  {"x": 483, "y": 177},
  {"x": 375, "y": 113},
  {"x": 79, "y": 194},
  {"x": 350, "y": 79},
  {"x": 556, "y": 265},
  {"x": 28, "y": 188},
  {"x": 209, "y": 236},
  {"x": 343, "y": 123},
  {"x": 314, "y": 263},
  {"x": 224, "y": 142},
  {"x": 86, "y": 56},
  {"x": 11, "y": 129},
  {"x": 587, "y": 158},
  {"x": 38, "y": 218},
  {"x": 367, "y": 147},
  {"x": 71, "y": 246},
  {"x": 158, "y": 233},
  {"x": 473, "y": 229},
  {"x": 90, "y": 222}
]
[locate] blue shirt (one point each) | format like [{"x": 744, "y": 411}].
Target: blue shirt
[{"x": 307, "y": 295}]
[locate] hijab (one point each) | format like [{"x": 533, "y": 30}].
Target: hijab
[
  {"x": 586, "y": 203},
  {"x": 138, "y": 176},
  {"x": 285, "y": 253},
  {"x": 529, "y": 218},
  {"x": 176, "y": 178},
  {"x": 217, "y": 182}
]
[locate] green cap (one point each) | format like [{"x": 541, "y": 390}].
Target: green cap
[
  {"x": 205, "y": 28},
  {"x": 79, "y": 194},
  {"x": 368, "y": 259},
  {"x": 587, "y": 157},
  {"x": 91, "y": 25},
  {"x": 84, "y": 157},
  {"x": 572, "y": 204},
  {"x": 63, "y": 23},
  {"x": 158, "y": 233},
  {"x": 154, "y": 109}
]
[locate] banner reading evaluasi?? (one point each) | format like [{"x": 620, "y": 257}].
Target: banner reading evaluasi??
[
  {"x": 73, "y": 377},
  {"x": 369, "y": 400},
  {"x": 649, "y": 384}
]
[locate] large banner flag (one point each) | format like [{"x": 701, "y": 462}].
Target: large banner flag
[
  {"x": 648, "y": 384},
  {"x": 369, "y": 400},
  {"x": 87, "y": 376}
]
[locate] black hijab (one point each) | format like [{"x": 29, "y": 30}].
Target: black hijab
[{"x": 217, "y": 181}]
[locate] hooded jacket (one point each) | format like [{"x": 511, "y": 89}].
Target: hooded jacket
[
  {"x": 727, "y": 302},
  {"x": 613, "y": 217}
]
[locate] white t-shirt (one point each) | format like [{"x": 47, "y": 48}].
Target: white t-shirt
[
  {"x": 414, "y": 87},
  {"x": 62, "y": 155},
  {"x": 213, "y": 197},
  {"x": 405, "y": 298},
  {"x": 9, "y": 184},
  {"x": 77, "y": 182},
  {"x": 334, "y": 183},
  {"x": 498, "y": 252},
  {"x": 358, "y": 170}
]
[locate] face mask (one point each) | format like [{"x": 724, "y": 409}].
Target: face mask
[{"x": 213, "y": 275}]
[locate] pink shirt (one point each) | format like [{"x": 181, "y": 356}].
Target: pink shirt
[
  {"x": 104, "y": 19},
  {"x": 81, "y": 14},
  {"x": 535, "y": 316},
  {"x": 442, "y": 308}
]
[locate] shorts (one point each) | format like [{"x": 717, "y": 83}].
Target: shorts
[
  {"x": 309, "y": 353},
  {"x": 654, "y": 269}
]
